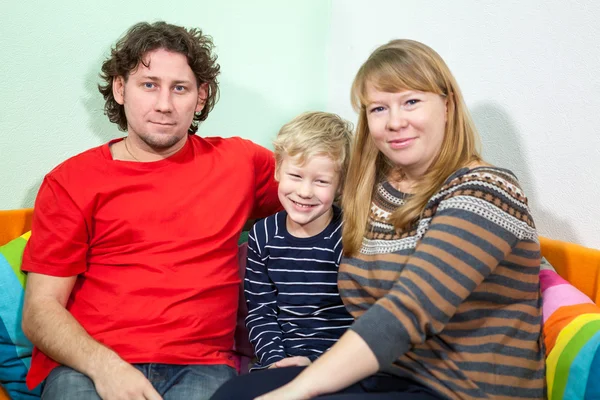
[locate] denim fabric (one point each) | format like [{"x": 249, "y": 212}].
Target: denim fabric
[{"x": 172, "y": 382}]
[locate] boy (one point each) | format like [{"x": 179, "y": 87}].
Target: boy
[{"x": 295, "y": 311}]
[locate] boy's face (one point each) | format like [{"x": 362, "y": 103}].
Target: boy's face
[{"x": 307, "y": 193}]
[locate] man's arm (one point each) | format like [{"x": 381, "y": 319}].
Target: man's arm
[
  {"x": 53, "y": 330},
  {"x": 266, "y": 200}
]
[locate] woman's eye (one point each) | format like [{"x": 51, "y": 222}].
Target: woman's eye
[
  {"x": 376, "y": 109},
  {"x": 412, "y": 102}
]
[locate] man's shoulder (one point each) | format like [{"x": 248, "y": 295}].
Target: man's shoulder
[
  {"x": 218, "y": 141},
  {"x": 79, "y": 162},
  {"x": 234, "y": 143}
]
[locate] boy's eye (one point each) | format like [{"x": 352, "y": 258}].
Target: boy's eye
[{"x": 295, "y": 176}]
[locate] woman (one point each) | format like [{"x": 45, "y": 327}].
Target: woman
[{"x": 441, "y": 254}]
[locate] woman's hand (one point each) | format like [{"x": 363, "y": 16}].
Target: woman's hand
[{"x": 333, "y": 371}]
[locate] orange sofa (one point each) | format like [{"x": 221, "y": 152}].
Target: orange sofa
[{"x": 577, "y": 264}]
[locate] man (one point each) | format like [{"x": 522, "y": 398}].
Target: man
[{"x": 133, "y": 280}]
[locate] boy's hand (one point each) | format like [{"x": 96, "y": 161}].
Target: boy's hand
[{"x": 291, "y": 362}]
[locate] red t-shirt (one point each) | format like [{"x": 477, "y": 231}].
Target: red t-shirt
[{"x": 154, "y": 246}]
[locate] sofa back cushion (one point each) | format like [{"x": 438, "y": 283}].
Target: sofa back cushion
[
  {"x": 14, "y": 223},
  {"x": 15, "y": 348}
]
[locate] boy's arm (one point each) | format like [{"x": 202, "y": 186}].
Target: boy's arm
[{"x": 261, "y": 297}]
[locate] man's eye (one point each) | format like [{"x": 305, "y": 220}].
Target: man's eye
[
  {"x": 149, "y": 85},
  {"x": 179, "y": 88}
]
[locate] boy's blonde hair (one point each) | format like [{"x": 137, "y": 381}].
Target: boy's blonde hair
[
  {"x": 315, "y": 134},
  {"x": 396, "y": 66}
]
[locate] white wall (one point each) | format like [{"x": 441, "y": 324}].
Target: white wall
[{"x": 530, "y": 73}]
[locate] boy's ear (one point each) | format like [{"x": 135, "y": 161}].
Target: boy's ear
[{"x": 277, "y": 172}]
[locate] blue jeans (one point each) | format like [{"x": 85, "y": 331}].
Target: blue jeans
[{"x": 172, "y": 382}]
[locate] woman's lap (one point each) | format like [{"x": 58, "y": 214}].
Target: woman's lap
[{"x": 376, "y": 387}]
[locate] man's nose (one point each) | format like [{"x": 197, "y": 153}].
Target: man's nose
[{"x": 164, "y": 101}]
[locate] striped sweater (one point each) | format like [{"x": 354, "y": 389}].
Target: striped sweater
[
  {"x": 294, "y": 307},
  {"x": 453, "y": 302}
]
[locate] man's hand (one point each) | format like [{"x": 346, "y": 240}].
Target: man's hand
[
  {"x": 291, "y": 362},
  {"x": 119, "y": 380}
]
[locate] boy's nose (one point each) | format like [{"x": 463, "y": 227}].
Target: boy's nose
[{"x": 305, "y": 190}]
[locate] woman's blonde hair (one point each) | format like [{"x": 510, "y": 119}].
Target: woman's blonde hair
[
  {"x": 397, "y": 66},
  {"x": 315, "y": 133}
]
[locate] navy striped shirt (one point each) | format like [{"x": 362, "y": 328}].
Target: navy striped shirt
[{"x": 294, "y": 307}]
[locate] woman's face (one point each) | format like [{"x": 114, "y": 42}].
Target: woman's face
[{"x": 408, "y": 127}]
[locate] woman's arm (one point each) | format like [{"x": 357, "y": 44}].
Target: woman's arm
[{"x": 347, "y": 362}]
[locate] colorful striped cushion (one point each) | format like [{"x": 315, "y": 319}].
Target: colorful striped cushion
[
  {"x": 572, "y": 339},
  {"x": 15, "y": 348}
]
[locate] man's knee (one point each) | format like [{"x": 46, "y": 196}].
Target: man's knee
[{"x": 65, "y": 383}]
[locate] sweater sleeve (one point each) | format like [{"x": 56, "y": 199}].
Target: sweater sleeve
[
  {"x": 261, "y": 297},
  {"x": 468, "y": 236}
]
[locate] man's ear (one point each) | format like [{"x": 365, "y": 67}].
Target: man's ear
[
  {"x": 118, "y": 89},
  {"x": 202, "y": 96}
]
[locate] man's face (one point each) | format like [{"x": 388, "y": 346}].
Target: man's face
[{"x": 160, "y": 100}]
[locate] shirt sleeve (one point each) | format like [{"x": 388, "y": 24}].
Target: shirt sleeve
[
  {"x": 261, "y": 297},
  {"x": 266, "y": 199},
  {"x": 468, "y": 237},
  {"x": 59, "y": 236}
]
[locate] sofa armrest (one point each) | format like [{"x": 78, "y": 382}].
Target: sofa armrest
[
  {"x": 14, "y": 223},
  {"x": 577, "y": 264}
]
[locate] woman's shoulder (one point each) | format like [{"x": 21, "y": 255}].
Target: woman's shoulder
[
  {"x": 482, "y": 182},
  {"x": 486, "y": 176}
]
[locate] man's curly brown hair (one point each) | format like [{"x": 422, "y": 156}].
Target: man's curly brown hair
[{"x": 143, "y": 37}]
